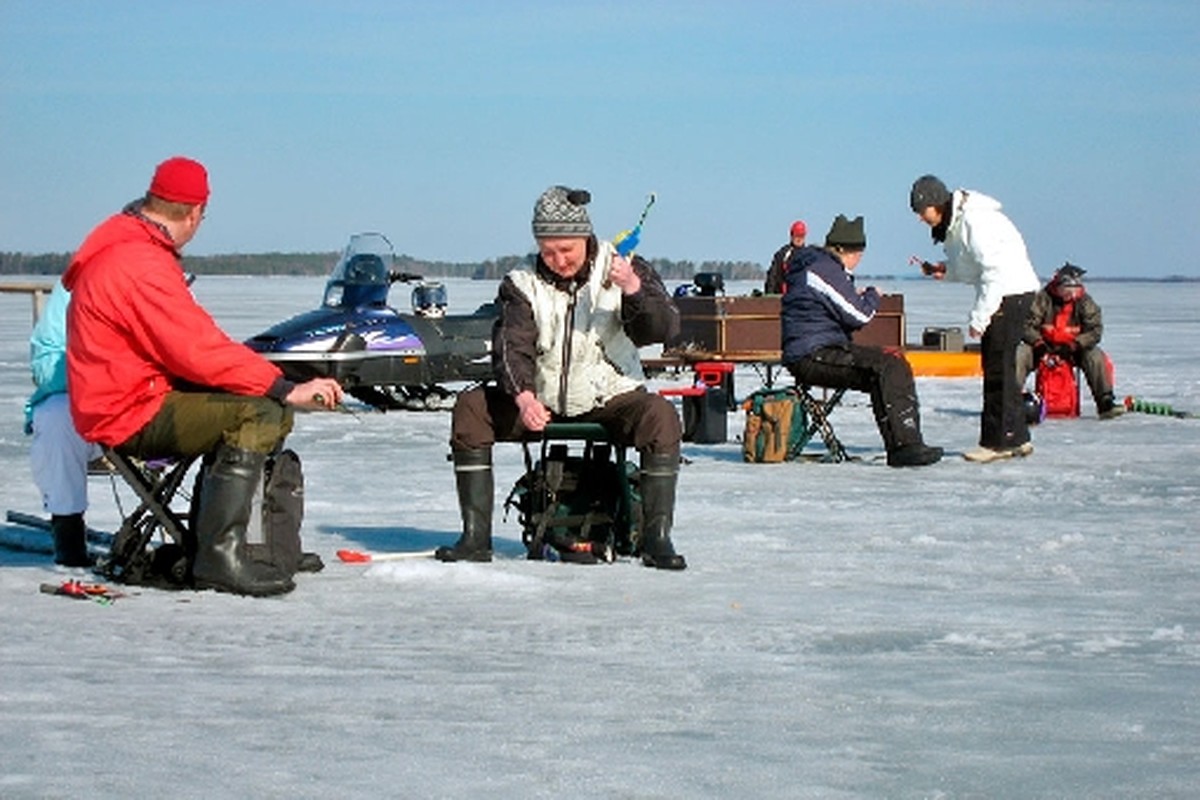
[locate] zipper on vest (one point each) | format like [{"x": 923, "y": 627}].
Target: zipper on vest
[{"x": 566, "y": 354}]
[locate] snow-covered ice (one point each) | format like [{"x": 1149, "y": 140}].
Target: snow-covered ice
[{"x": 1021, "y": 629}]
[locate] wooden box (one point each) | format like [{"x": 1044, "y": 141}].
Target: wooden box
[
  {"x": 748, "y": 327},
  {"x": 887, "y": 329},
  {"x": 728, "y": 325}
]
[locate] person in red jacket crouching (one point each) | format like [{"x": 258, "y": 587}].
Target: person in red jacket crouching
[
  {"x": 150, "y": 373},
  {"x": 1065, "y": 322}
]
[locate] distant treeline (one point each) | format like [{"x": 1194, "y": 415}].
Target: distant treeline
[{"x": 321, "y": 263}]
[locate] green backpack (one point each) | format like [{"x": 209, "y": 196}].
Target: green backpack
[{"x": 776, "y": 426}]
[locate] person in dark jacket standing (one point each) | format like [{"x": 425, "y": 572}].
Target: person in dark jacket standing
[
  {"x": 152, "y": 375},
  {"x": 1065, "y": 321},
  {"x": 821, "y": 309},
  {"x": 565, "y": 348},
  {"x": 774, "y": 282}
]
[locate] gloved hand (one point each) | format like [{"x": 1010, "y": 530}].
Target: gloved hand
[
  {"x": 1064, "y": 351},
  {"x": 936, "y": 270},
  {"x": 1059, "y": 336}
]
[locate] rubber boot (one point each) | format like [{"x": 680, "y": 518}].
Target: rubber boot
[
  {"x": 476, "y": 498},
  {"x": 660, "y": 474},
  {"x": 70, "y": 540},
  {"x": 226, "y": 497},
  {"x": 914, "y": 455}
]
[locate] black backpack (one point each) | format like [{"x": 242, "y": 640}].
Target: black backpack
[
  {"x": 276, "y": 539},
  {"x": 577, "y": 508}
]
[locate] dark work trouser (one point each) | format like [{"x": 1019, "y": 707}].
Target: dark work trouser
[
  {"x": 884, "y": 375},
  {"x": 1003, "y": 422}
]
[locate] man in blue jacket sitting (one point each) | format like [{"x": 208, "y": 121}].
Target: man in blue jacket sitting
[{"x": 821, "y": 309}]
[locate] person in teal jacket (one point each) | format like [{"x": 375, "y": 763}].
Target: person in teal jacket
[{"x": 58, "y": 454}]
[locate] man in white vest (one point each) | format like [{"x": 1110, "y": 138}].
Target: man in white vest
[{"x": 565, "y": 348}]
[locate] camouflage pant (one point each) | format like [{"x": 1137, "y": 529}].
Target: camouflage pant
[{"x": 195, "y": 423}]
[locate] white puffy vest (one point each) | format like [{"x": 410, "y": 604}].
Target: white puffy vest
[{"x": 584, "y": 357}]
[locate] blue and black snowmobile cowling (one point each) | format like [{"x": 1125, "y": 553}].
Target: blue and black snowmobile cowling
[{"x": 383, "y": 357}]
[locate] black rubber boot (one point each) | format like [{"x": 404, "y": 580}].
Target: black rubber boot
[
  {"x": 476, "y": 498},
  {"x": 224, "y": 511},
  {"x": 914, "y": 455},
  {"x": 660, "y": 474},
  {"x": 70, "y": 540}
]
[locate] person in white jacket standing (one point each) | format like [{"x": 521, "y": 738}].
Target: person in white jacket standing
[{"x": 985, "y": 249}]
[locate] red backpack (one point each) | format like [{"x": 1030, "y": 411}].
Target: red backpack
[{"x": 1057, "y": 386}]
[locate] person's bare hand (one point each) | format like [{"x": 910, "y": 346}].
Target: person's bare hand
[
  {"x": 621, "y": 274},
  {"x": 534, "y": 415},
  {"x": 318, "y": 394}
]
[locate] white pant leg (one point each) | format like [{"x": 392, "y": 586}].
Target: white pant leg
[{"x": 59, "y": 457}]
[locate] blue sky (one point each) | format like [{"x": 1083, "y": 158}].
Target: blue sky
[{"x": 439, "y": 123}]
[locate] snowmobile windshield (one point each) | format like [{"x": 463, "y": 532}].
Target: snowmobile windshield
[{"x": 361, "y": 276}]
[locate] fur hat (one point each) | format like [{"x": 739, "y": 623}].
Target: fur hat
[
  {"x": 180, "y": 180},
  {"x": 847, "y": 234},
  {"x": 928, "y": 190},
  {"x": 1070, "y": 275},
  {"x": 560, "y": 213}
]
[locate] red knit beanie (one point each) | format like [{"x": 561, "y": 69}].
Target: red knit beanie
[
  {"x": 180, "y": 180},
  {"x": 799, "y": 228}
]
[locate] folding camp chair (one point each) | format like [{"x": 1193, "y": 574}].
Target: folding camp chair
[
  {"x": 818, "y": 420},
  {"x": 134, "y": 558}
]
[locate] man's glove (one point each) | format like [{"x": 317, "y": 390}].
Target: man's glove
[
  {"x": 1064, "y": 337},
  {"x": 935, "y": 270}
]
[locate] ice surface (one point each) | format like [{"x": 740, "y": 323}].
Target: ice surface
[{"x": 1021, "y": 629}]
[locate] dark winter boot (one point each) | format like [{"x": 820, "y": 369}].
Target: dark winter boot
[
  {"x": 476, "y": 497},
  {"x": 226, "y": 497},
  {"x": 660, "y": 474},
  {"x": 914, "y": 455},
  {"x": 70, "y": 540},
  {"x": 1108, "y": 408}
]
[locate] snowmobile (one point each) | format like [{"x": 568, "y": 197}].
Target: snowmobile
[{"x": 385, "y": 358}]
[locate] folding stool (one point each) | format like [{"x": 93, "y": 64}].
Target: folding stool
[
  {"x": 157, "y": 485},
  {"x": 818, "y": 420}
]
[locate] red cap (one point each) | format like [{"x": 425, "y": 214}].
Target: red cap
[
  {"x": 799, "y": 228},
  {"x": 180, "y": 180}
]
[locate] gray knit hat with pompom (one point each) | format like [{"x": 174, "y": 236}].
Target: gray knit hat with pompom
[{"x": 560, "y": 213}]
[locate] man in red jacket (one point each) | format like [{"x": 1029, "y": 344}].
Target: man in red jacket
[{"x": 152, "y": 375}]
